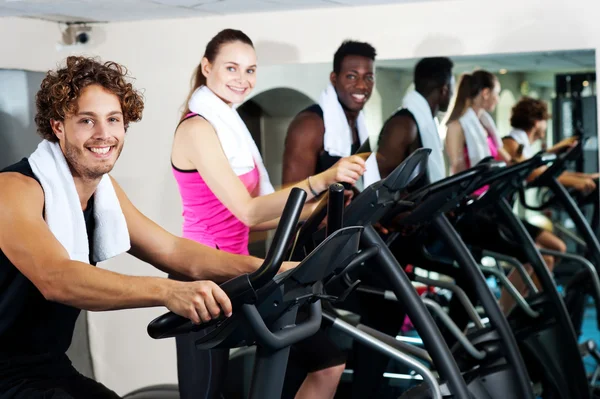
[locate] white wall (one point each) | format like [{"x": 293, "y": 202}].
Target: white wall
[{"x": 162, "y": 55}]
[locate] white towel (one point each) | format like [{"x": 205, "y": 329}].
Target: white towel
[
  {"x": 63, "y": 208},
  {"x": 429, "y": 132},
  {"x": 338, "y": 134},
  {"x": 476, "y": 135},
  {"x": 521, "y": 137},
  {"x": 236, "y": 140}
]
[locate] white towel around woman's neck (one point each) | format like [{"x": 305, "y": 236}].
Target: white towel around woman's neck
[
  {"x": 338, "y": 133},
  {"x": 476, "y": 130},
  {"x": 429, "y": 132},
  {"x": 63, "y": 213},
  {"x": 237, "y": 142}
]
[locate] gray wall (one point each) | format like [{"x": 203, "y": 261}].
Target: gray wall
[{"x": 18, "y": 137}]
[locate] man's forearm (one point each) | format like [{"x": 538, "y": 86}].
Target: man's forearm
[
  {"x": 580, "y": 174},
  {"x": 200, "y": 262},
  {"x": 87, "y": 287},
  {"x": 569, "y": 180}
]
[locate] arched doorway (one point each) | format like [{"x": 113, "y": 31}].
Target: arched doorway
[{"x": 268, "y": 115}]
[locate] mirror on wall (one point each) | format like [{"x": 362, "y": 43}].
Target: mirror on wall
[
  {"x": 565, "y": 80},
  {"x": 18, "y": 137}
]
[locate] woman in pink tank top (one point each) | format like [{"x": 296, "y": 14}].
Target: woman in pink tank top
[
  {"x": 221, "y": 204},
  {"x": 205, "y": 218},
  {"x": 479, "y": 91}
]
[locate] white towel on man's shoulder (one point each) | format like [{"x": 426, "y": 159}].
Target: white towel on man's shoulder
[
  {"x": 63, "y": 211},
  {"x": 429, "y": 134},
  {"x": 338, "y": 133}
]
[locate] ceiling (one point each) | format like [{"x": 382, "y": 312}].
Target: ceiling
[
  {"x": 555, "y": 61},
  {"x": 131, "y": 10}
]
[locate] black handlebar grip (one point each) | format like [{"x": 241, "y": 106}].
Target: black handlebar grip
[
  {"x": 286, "y": 337},
  {"x": 335, "y": 208},
  {"x": 283, "y": 235},
  {"x": 168, "y": 325}
]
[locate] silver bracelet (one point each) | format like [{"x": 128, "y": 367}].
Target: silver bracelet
[{"x": 314, "y": 193}]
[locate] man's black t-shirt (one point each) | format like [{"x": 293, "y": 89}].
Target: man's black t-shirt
[{"x": 30, "y": 325}]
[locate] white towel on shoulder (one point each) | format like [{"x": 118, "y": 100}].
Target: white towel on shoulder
[
  {"x": 63, "y": 208},
  {"x": 429, "y": 132},
  {"x": 476, "y": 132},
  {"x": 236, "y": 140},
  {"x": 521, "y": 137},
  {"x": 338, "y": 134}
]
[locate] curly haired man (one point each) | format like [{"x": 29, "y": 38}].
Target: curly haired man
[{"x": 61, "y": 213}]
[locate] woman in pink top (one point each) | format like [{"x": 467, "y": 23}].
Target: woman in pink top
[
  {"x": 221, "y": 205},
  {"x": 481, "y": 92}
]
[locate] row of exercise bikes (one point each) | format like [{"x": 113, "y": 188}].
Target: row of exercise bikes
[{"x": 469, "y": 349}]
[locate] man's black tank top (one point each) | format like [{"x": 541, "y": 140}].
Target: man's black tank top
[
  {"x": 31, "y": 326},
  {"x": 415, "y": 146},
  {"x": 406, "y": 112},
  {"x": 324, "y": 160}
]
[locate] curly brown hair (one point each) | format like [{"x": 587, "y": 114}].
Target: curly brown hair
[
  {"x": 527, "y": 112},
  {"x": 60, "y": 89}
]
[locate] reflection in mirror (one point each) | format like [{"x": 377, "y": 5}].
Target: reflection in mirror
[
  {"x": 465, "y": 108},
  {"x": 18, "y": 136},
  {"x": 564, "y": 80}
]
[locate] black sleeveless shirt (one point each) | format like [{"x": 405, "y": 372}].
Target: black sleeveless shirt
[
  {"x": 418, "y": 143},
  {"x": 324, "y": 160},
  {"x": 405, "y": 112},
  {"x": 31, "y": 326}
]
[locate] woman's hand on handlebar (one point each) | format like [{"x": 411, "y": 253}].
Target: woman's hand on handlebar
[
  {"x": 199, "y": 301},
  {"x": 346, "y": 170}
]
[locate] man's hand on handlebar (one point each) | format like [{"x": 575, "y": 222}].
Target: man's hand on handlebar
[
  {"x": 585, "y": 185},
  {"x": 380, "y": 228},
  {"x": 564, "y": 145},
  {"x": 594, "y": 176},
  {"x": 199, "y": 301}
]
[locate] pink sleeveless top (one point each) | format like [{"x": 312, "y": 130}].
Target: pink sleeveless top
[
  {"x": 494, "y": 151},
  {"x": 205, "y": 218}
]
